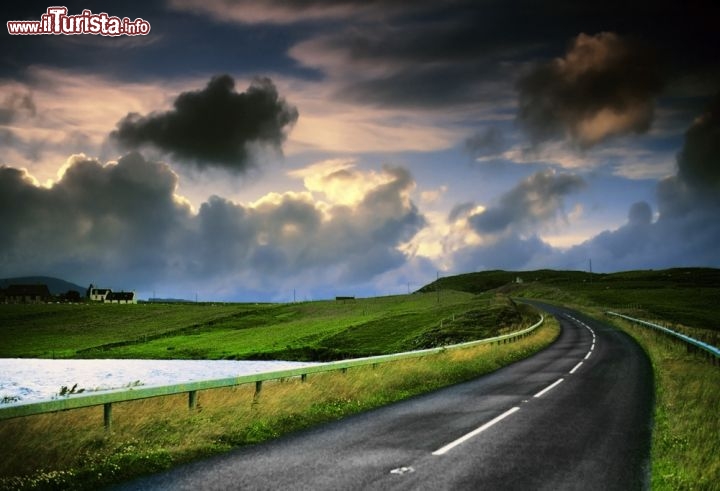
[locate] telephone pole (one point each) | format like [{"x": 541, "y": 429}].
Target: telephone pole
[{"x": 437, "y": 286}]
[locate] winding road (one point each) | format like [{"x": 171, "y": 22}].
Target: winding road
[{"x": 575, "y": 416}]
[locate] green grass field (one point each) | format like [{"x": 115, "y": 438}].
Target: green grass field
[{"x": 321, "y": 331}]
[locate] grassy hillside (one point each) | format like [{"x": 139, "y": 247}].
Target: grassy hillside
[
  {"x": 305, "y": 331},
  {"x": 55, "y": 285},
  {"x": 683, "y": 298}
]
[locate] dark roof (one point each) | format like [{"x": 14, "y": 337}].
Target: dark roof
[
  {"x": 100, "y": 291},
  {"x": 27, "y": 291},
  {"x": 120, "y": 296}
]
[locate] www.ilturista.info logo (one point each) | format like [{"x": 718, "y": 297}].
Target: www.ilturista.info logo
[{"x": 57, "y": 21}]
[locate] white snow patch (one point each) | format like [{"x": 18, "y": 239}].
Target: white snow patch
[{"x": 29, "y": 379}]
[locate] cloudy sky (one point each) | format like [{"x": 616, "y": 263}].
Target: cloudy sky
[{"x": 246, "y": 150}]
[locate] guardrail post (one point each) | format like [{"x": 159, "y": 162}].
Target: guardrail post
[
  {"x": 107, "y": 415},
  {"x": 192, "y": 399}
]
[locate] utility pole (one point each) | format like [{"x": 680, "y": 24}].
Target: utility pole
[{"x": 437, "y": 286}]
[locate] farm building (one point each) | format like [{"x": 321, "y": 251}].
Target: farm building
[
  {"x": 106, "y": 295},
  {"x": 26, "y": 294},
  {"x": 98, "y": 294}
]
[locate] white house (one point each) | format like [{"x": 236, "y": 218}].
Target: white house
[
  {"x": 98, "y": 294},
  {"x": 106, "y": 295}
]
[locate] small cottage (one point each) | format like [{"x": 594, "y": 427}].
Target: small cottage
[
  {"x": 98, "y": 294},
  {"x": 27, "y": 294}
]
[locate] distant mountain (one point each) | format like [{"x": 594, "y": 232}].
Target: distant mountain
[{"x": 55, "y": 285}]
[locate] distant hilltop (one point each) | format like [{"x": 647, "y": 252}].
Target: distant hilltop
[{"x": 55, "y": 285}]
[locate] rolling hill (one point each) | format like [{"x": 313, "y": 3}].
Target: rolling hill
[
  {"x": 55, "y": 285},
  {"x": 686, "y": 296}
]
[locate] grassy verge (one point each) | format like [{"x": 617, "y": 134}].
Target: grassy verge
[
  {"x": 686, "y": 437},
  {"x": 70, "y": 450}
]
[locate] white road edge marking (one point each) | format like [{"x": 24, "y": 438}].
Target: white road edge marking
[
  {"x": 576, "y": 367},
  {"x": 549, "y": 387},
  {"x": 475, "y": 432}
]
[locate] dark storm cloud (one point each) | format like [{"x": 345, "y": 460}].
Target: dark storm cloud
[
  {"x": 699, "y": 159},
  {"x": 534, "y": 201},
  {"x": 463, "y": 52},
  {"x": 122, "y": 224},
  {"x": 118, "y": 219},
  {"x": 604, "y": 86},
  {"x": 215, "y": 126},
  {"x": 428, "y": 63},
  {"x": 284, "y": 12}
]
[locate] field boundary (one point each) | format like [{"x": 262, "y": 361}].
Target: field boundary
[
  {"x": 106, "y": 399},
  {"x": 708, "y": 348}
]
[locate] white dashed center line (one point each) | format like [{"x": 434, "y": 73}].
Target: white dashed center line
[
  {"x": 548, "y": 388},
  {"x": 475, "y": 432}
]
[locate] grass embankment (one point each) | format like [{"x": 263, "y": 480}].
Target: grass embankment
[
  {"x": 70, "y": 450},
  {"x": 316, "y": 331},
  {"x": 686, "y": 437},
  {"x": 684, "y": 299}
]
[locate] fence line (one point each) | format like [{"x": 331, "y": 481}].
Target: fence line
[
  {"x": 106, "y": 399},
  {"x": 708, "y": 348}
]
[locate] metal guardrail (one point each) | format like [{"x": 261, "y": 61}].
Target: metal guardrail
[
  {"x": 106, "y": 399},
  {"x": 712, "y": 350}
]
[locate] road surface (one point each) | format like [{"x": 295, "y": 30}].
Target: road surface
[{"x": 575, "y": 416}]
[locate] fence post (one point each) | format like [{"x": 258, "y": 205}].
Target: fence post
[
  {"x": 303, "y": 377},
  {"x": 258, "y": 388},
  {"x": 192, "y": 399},
  {"x": 107, "y": 415}
]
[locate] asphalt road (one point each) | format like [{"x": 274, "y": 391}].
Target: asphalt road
[{"x": 574, "y": 416}]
